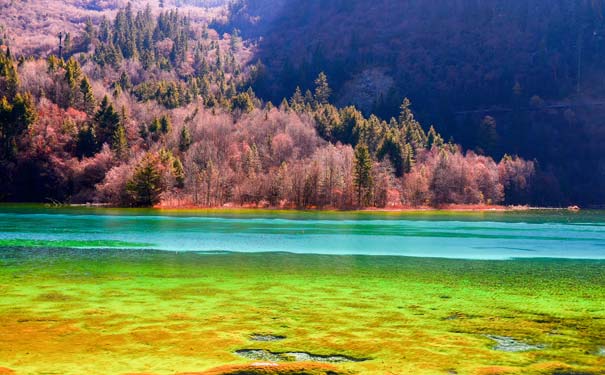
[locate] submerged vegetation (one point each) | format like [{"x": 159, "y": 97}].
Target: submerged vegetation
[
  {"x": 122, "y": 311},
  {"x": 150, "y": 108}
]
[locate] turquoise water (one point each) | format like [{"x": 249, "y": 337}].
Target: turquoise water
[{"x": 489, "y": 235}]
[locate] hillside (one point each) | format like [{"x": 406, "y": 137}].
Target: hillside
[
  {"x": 31, "y": 27},
  {"x": 533, "y": 67},
  {"x": 147, "y": 105}
]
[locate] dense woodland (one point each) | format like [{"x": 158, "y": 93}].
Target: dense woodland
[
  {"x": 148, "y": 107},
  {"x": 499, "y": 76}
]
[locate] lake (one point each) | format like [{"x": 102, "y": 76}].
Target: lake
[
  {"x": 470, "y": 235},
  {"x": 116, "y": 291}
]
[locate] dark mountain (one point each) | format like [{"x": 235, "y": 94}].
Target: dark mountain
[{"x": 517, "y": 76}]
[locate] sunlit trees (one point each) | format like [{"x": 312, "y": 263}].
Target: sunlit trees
[
  {"x": 322, "y": 89},
  {"x": 88, "y": 98},
  {"x": 119, "y": 142},
  {"x": 15, "y": 118},
  {"x": 175, "y": 127},
  {"x": 363, "y": 175}
]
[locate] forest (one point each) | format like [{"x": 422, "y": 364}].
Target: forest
[
  {"x": 497, "y": 76},
  {"x": 149, "y": 107}
]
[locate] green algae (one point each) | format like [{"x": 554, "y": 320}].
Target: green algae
[
  {"x": 74, "y": 311},
  {"x": 19, "y": 242}
]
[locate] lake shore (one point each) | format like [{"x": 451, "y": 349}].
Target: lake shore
[{"x": 391, "y": 209}]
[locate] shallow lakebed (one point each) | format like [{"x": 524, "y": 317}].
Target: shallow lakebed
[{"x": 102, "y": 307}]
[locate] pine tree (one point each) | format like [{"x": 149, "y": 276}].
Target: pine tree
[
  {"x": 86, "y": 144},
  {"x": 242, "y": 103},
  {"x": 89, "y": 32},
  {"x": 363, "y": 175},
  {"x": 297, "y": 101},
  {"x": 185, "y": 139},
  {"x": 433, "y": 139},
  {"x": 165, "y": 124},
  {"x": 322, "y": 89},
  {"x": 408, "y": 158},
  {"x": 120, "y": 142},
  {"x": 15, "y": 119},
  {"x": 392, "y": 148},
  {"x": 178, "y": 172},
  {"x": 124, "y": 81},
  {"x": 107, "y": 120},
  {"x": 73, "y": 74},
  {"x": 24, "y": 112},
  {"x": 9, "y": 80},
  {"x": 88, "y": 97},
  {"x": 406, "y": 117},
  {"x": 146, "y": 185}
]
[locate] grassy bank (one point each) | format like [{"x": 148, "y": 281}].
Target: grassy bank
[{"x": 115, "y": 312}]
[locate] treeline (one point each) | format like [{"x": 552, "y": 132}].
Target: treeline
[{"x": 83, "y": 130}]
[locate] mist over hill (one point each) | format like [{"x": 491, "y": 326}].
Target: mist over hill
[{"x": 498, "y": 76}]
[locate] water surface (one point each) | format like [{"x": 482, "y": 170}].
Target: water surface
[{"x": 483, "y": 235}]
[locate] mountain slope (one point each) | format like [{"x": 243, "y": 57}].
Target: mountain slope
[{"x": 531, "y": 66}]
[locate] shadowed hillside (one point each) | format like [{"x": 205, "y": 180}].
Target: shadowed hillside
[{"x": 514, "y": 76}]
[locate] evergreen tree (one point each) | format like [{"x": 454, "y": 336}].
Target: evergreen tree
[
  {"x": 363, "y": 175},
  {"x": 165, "y": 124},
  {"x": 89, "y": 32},
  {"x": 120, "y": 142},
  {"x": 408, "y": 158},
  {"x": 392, "y": 148},
  {"x": 24, "y": 112},
  {"x": 107, "y": 121},
  {"x": 185, "y": 139},
  {"x": 242, "y": 103},
  {"x": 9, "y": 81},
  {"x": 15, "y": 119},
  {"x": 178, "y": 172},
  {"x": 322, "y": 89},
  {"x": 73, "y": 74},
  {"x": 124, "y": 82},
  {"x": 146, "y": 185},
  {"x": 88, "y": 97},
  {"x": 433, "y": 139},
  {"x": 297, "y": 101},
  {"x": 86, "y": 144}
]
